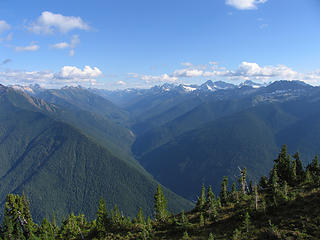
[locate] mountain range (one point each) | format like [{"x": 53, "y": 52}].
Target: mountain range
[
  {"x": 186, "y": 135},
  {"x": 47, "y": 153}
]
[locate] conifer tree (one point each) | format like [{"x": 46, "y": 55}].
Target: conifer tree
[
  {"x": 293, "y": 172},
  {"x": 185, "y": 236},
  {"x": 308, "y": 178},
  {"x": 149, "y": 224},
  {"x": 285, "y": 191},
  {"x": 256, "y": 196},
  {"x": 211, "y": 237},
  {"x": 46, "y": 230},
  {"x": 184, "y": 219},
  {"x": 224, "y": 190},
  {"x": 234, "y": 192},
  {"x": 246, "y": 222},
  {"x": 160, "y": 205},
  {"x": 236, "y": 234},
  {"x": 201, "y": 220},
  {"x": 299, "y": 168},
  {"x": 116, "y": 217},
  {"x": 283, "y": 165},
  {"x": 140, "y": 217},
  {"x": 202, "y": 199},
  {"x": 314, "y": 168},
  {"x": 211, "y": 198},
  {"x": 263, "y": 183},
  {"x": 18, "y": 217},
  {"x": 274, "y": 179},
  {"x": 102, "y": 220},
  {"x": 243, "y": 180}
]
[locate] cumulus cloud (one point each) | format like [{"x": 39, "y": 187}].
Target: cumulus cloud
[
  {"x": 154, "y": 78},
  {"x": 245, "y": 71},
  {"x": 75, "y": 40},
  {"x": 30, "y": 48},
  {"x": 187, "y": 73},
  {"x": 68, "y": 75},
  {"x": 49, "y": 23},
  {"x": 71, "y": 72},
  {"x": 245, "y": 4},
  {"x": 4, "y": 26},
  {"x": 253, "y": 70}
]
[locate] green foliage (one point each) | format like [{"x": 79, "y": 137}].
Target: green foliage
[
  {"x": 62, "y": 169},
  {"x": 160, "y": 205},
  {"x": 211, "y": 198},
  {"x": 224, "y": 190},
  {"x": 74, "y": 227},
  {"x": 201, "y": 220},
  {"x": 237, "y": 235},
  {"x": 299, "y": 168},
  {"x": 102, "y": 221},
  {"x": 185, "y": 236},
  {"x": 202, "y": 199},
  {"x": 140, "y": 218},
  {"x": 243, "y": 180},
  {"x": 211, "y": 237},
  {"x": 292, "y": 209},
  {"x": 246, "y": 222}
]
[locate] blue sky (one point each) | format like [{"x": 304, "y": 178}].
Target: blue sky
[{"x": 126, "y": 43}]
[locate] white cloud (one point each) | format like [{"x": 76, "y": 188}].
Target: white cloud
[
  {"x": 61, "y": 45},
  {"x": 49, "y": 23},
  {"x": 29, "y": 48},
  {"x": 253, "y": 70},
  {"x": 68, "y": 75},
  {"x": 187, "y": 73},
  {"x": 154, "y": 78},
  {"x": 245, "y": 71},
  {"x": 245, "y": 4},
  {"x": 71, "y": 72},
  {"x": 4, "y": 26},
  {"x": 75, "y": 40},
  {"x": 187, "y": 64}
]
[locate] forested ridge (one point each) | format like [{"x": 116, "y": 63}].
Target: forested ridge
[{"x": 283, "y": 205}]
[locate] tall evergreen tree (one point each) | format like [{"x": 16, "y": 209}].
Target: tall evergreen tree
[
  {"x": 140, "y": 218},
  {"x": 224, "y": 190},
  {"x": 293, "y": 173},
  {"x": 160, "y": 205},
  {"x": 283, "y": 165},
  {"x": 314, "y": 168},
  {"x": 102, "y": 220},
  {"x": 299, "y": 168},
  {"x": 211, "y": 198},
  {"x": 202, "y": 199},
  {"x": 243, "y": 180}
]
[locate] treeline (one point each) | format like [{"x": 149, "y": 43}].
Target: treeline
[{"x": 242, "y": 202}]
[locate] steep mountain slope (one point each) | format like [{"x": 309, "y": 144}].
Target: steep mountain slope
[
  {"x": 245, "y": 138},
  {"x": 69, "y": 97},
  {"x": 207, "y": 154},
  {"x": 93, "y": 115},
  {"x": 203, "y": 113},
  {"x": 62, "y": 170}
]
